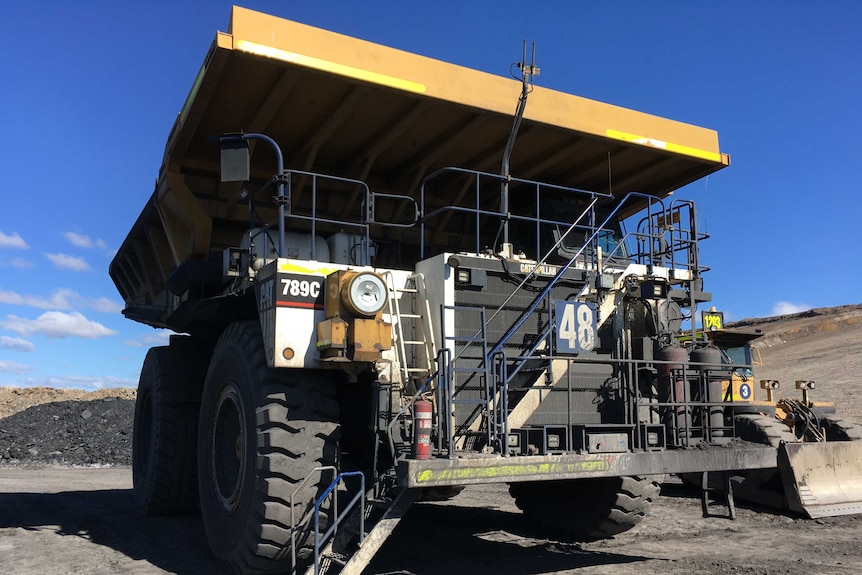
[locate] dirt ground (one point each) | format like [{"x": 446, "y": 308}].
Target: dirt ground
[{"x": 59, "y": 520}]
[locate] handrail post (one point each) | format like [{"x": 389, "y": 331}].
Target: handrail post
[{"x": 283, "y": 201}]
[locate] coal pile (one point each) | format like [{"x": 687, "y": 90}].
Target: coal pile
[{"x": 70, "y": 432}]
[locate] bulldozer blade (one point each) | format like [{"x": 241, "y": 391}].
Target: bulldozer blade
[{"x": 822, "y": 479}]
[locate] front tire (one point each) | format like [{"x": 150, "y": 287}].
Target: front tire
[
  {"x": 840, "y": 429},
  {"x": 586, "y": 509},
  {"x": 262, "y": 432}
]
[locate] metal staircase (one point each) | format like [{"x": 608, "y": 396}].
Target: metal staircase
[
  {"x": 483, "y": 385},
  {"x": 358, "y": 529}
]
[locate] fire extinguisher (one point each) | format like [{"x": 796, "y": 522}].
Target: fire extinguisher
[{"x": 422, "y": 429}]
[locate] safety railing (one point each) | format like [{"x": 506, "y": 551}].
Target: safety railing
[
  {"x": 669, "y": 238},
  {"x": 650, "y": 236},
  {"x": 331, "y": 492},
  {"x": 476, "y": 181},
  {"x": 688, "y": 414},
  {"x": 294, "y": 182},
  {"x": 663, "y": 236},
  {"x": 314, "y": 219},
  {"x": 338, "y": 513}
]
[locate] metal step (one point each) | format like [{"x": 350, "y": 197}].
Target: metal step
[{"x": 333, "y": 563}]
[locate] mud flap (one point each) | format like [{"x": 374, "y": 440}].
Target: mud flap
[{"x": 822, "y": 479}]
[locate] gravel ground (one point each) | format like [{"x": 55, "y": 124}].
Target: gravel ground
[{"x": 61, "y": 519}]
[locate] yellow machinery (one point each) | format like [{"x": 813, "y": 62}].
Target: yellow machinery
[
  {"x": 819, "y": 472},
  {"x": 358, "y": 261}
]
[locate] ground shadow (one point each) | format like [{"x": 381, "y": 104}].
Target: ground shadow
[
  {"x": 438, "y": 539},
  {"x": 108, "y": 518},
  {"x": 432, "y": 539}
]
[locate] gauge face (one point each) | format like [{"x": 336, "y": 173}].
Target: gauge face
[{"x": 367, "y": 294}]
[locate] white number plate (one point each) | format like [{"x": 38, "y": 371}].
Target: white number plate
[{"x": 576, "y": 326}]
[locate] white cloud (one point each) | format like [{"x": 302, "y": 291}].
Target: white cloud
[
  {"x": 58, "y": 300},
  {"x": 16, "y": 343},
  {"x": 12, "y": 367},
  {"x": 105, "y": 305},
  {"x": 158, "y": 337},
  {"x": 62, "y": 299},
  {"x": 19, "y": 263},
  {"x": 82, "y": 241},
  {"x": 57, "y": 324},
  {"x": 786, "y": 308},
  {"x": 65, "y": 261},
  {"x": 12, "y": 241}
]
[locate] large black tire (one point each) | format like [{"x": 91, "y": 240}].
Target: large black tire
[
  {"x": 763, "y": 429},
  {"x": 164, "y": 440},
  {"x": 840, "y": 429},
  {"x": 586, "y": 509},
  {"x": 262, "y": 432}
]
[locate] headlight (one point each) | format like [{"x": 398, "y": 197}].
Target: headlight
[{"x": 364, "y": 294}]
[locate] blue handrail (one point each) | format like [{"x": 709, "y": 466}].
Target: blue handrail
[{"x": 320, "y": 540}]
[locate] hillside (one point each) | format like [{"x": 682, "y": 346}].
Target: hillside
[{"x": 823, "y": 345}]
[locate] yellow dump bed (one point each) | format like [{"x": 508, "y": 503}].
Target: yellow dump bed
[{"x": 344, "y": 106}]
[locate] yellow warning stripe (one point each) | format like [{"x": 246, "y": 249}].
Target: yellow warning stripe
[
  {"x": 661, "y": 144},
  {"x": 512, "y": 470},
  {"x": 333, "y": 67},
  {"x": 319, "y": 269}
]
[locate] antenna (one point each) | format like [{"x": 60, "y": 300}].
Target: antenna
[
  {"x": 528, "y": 72},
  {"x": 610, "y": 176}
]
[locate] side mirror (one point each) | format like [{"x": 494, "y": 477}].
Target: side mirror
[{"x": 234, "y": 160}]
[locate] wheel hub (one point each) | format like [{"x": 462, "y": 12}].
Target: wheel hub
[{"x": 228, "y": 448}]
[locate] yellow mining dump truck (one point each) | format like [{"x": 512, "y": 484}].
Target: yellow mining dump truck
[{"x": 388, "y": 286}]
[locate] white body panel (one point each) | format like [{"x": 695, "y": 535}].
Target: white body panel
[
  {"x": 440, "y": 286},
  {"x": 290, "y": 322}
]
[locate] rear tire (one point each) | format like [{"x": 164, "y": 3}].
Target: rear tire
[
  {"x": 586, "y": 509},
  {"x": 164, "y": 440},
  {"x": 262, "y": 432}
]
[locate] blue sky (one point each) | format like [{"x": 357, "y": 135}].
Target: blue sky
[{"x": 91, "y": 89}]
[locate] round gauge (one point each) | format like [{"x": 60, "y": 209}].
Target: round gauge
[{"x": 366, "y": 294}]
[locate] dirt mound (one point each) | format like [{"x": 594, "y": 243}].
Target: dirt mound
[
  {"x": 15, "y": 399},
  {"x": 823, "y": 345},
  {"x": 94, "y": 431},
  {"x": 782, "y": 329}
]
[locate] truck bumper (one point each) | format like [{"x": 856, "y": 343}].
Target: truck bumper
[{"x": 497, "y": 469}]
